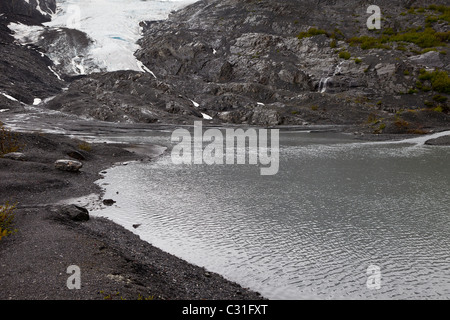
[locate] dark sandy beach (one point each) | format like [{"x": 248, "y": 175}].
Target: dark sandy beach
[{"x": 114, "y": 263}]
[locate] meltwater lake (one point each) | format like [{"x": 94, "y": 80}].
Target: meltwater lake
[{"x": 336, "y": 207}]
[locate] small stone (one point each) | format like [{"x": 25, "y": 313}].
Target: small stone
[
  {"x": 68, "y": 165},
  {"x": 137, "y": 225}
]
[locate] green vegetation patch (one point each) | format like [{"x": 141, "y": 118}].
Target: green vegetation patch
[
  {"x": 443, "y": 11},
  {"x": 344, "y": 55},
  {"x": 311, "y": 33},
  {"x": 368, "y": 42},
  {"x": 424, "y": 38},
  {"x": 9, "y": 141},
  {"x": 440, "y": 81},
  {"x": 6, "y": 220}
]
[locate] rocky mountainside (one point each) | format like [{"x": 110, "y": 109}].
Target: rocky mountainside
[
  {"x": 261, "y": 62},
  {"x": 24, "y": 70},
  {"x": 296, "y": 62}
]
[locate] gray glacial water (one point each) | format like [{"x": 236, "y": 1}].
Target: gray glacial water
[{"x": 335, "y": 208}]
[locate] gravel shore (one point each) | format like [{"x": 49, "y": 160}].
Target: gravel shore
[{"x": 114, "y": 263}]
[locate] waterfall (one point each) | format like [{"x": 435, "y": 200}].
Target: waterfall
[
  {"x": 323, "y": 84},
  {"x": 324, "y": 81}
]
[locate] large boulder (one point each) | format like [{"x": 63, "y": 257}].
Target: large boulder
[
  {"x": 68, "y": 165},
  {"x": 74, "y": 213},
  {"x": 441, "y": 141}
]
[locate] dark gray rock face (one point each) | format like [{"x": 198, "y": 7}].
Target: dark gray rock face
[
  {"x": 24, "y": 71},
  {"x": 31, "y": 12},
  {"x": 230, "y": 55},
  {"x": 25, "y": 74},
  {"x": 125, "y": 96}
]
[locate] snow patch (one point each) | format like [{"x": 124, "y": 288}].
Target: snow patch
[
  {"x": 195, "y": 104},
  {"x": 9, "y": 97},
  {"x": 53, "y": 71},
  {"x": 206, "y": 117}
]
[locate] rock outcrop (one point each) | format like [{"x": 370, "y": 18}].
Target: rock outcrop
[{"x": 244, "y": 61}]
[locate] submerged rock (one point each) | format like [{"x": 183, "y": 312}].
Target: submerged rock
[{"x": 108, "y": 202}]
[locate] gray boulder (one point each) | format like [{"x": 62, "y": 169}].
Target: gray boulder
[
  {"x": 430, "y": 59},
  {"x": 68, "y": 165},
  {"x": 74, "y": 213},
  {"x": 14, "y": 156},
  {"x": 441, "y": 141}
]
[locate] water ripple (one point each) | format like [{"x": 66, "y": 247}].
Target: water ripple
[{"x": 309, "y": 232}]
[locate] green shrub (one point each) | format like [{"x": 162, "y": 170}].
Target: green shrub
[
  {"x": 440, "y": 81},
  {"x": 85, "y": 146},
  {"x": 9, "y": 141},
  {"x": 438, "y": 109},
  {"x": 6, "y": 220},
  {"x": 431, "y": 19},
  {"x": 443, "y": 10},
  {"x": 401, "y": 124},
  {"x": 428, "y": 104},
  {"x": 427, "y": 38},
  {"x": 337, "y": 34},
  {"x": 373, "y": 119},
  {"x": 380, "y": 128},
  {"x": 366, "y": 42},
  {"x": 311, "y": 33},
  {"x": 344, "y": 55},
  {"x": 440, "y": 99},
  {"x": 389, "y": 31}
]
